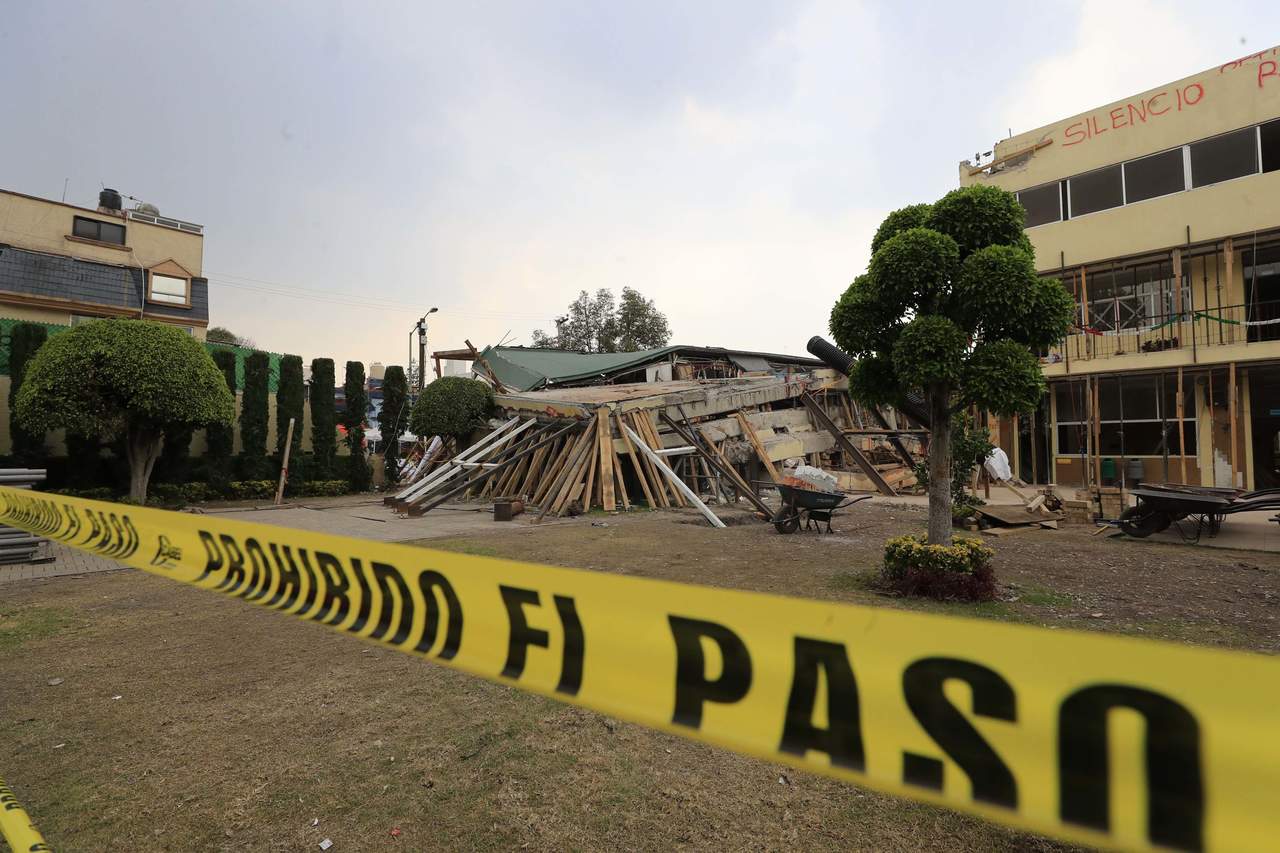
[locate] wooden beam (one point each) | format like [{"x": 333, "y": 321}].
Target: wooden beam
[
  {"x": 676, "y": 481},
  {"x": 635, "y": 461},
  {"x": 1177, "y": 285},
  {"x": 619, "y": 481},
  {"x": 1231, "y": 408},
  {"x": 713, "y": 455},
  {"x": 750, "y": 432},
  {"x": 821, "y": 419},
  {"x": 608, "y": 499},
  {"x": 660, "y": 488},
  {"x": 1182, "y": 440},
  {"x": 1097, "y": 436}
]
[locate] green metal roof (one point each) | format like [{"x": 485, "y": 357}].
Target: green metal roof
[{"x": 528, "y": 369}]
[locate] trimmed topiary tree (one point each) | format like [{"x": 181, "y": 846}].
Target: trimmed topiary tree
[
  {"x": 24, "y": 340},
  {"x": 951, "y": 307},
  {"x": 129, "y": 379},
  {"x": 452, "y": 407},
  {"x": 324, "y": 426},
  {"x": 221, "y": 438},
  {"x": 358, "y": 473},
  {"x": 289, "y": 399},
  {"x": 394, "y": 419},
  {"x": 254, "y": 414}
]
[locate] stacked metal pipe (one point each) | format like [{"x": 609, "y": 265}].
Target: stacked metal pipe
[{"x": 19, "y": 546}]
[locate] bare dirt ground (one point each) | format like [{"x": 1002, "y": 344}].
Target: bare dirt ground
[{"x": 185, "y": 721}]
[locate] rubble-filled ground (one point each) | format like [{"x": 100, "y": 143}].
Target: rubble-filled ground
[{"x": 185, "y": 721}]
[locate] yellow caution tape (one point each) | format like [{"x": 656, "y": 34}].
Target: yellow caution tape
[
  {"x": 16, "y": 826},
  {"x": 1104, "y": 740}
]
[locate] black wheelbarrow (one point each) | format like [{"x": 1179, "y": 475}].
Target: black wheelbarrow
[{"x": 810, "y": 506}]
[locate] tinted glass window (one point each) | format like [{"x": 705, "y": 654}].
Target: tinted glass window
[
  {"x": 92, "y": 229},
  {"x": 1159, "y": 174},
  {"x": 1271, "y": 146},
  {"x": 1222, "y": 158},
  {"x": 1041, "y": 204},
  {"x": 1097, "y": 190},
  {"x": 86, "y": 228},
  {"x": 109, "y": 233}
]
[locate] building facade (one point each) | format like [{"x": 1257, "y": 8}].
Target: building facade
[
  {"x": 62, "y": 264},
  {"x": 1160, "y": 213}
]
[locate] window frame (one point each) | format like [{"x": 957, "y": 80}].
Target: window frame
[
  {"x": 98, "y": 223},
  {"x": 1257, "y": 157},
  {"x": 1169, "y": 419},
  {"x": 1057, "y": 189},
  {"x": 168, "y": 303}
]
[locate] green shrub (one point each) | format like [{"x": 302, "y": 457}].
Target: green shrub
[
  {"x": 452, "y": 406},
  {"x": 325, "y": 488},
  {"x": 247, "y": 490},
  {"x": 395, "y": 417},
  {"x": 98, "y": 493},
  {"x": 960, "y": 571},
  {"x": 254, "y": 413},
  {"x": 289, "y": 399},
  {"x": 24, "y": 340}
]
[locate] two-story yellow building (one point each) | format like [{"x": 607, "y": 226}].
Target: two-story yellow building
[{"x": 1161, "y": 215}]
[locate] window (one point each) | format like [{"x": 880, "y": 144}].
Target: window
[
  {"x": 1138, "y": 416},
  {"x": 1097, "y": 190},
  {"x": 1270, "y": 133},
  {"x": 1157, "y": 175},
  {"x": 1231, "y": 155},
  {"x": 168, "y": 289},
  {"x": 103, "y": 232},
  {"x": 79, "y": 319},
  {"x": 1043, "y": 204}
]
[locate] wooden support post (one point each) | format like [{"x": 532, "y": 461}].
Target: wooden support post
[
  {"x": 617, "y": 476},
  {"x": 648, "y": 430},
  {"x": 606, "y": 460},
  {"x": 592, "y": 455},
  {"x": 636, "y": 463},
  {"x": 1084, "y": 311},
  {"x": 1097, "y": 436},
  {"x": 1231, "y": 409},
  {"x": 676, "y": 481},
  {"x": 284, "y": 463},
  {"x": 1229, "y": 255},
  {"x": 750, "y": 433},
  {"x": 656, "y": 480},
  {"x": 1182, "y": 439}
]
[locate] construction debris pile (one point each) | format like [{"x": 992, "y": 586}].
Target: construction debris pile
[{"x": 681, "y": 443}]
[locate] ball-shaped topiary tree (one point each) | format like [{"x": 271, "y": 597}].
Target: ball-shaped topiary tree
[
  {"x": 24, "y": 341},
  {"x": 129, "y": 379},
  {"x": 951, "y": 307},
  {"x": 452, "y": 406}
]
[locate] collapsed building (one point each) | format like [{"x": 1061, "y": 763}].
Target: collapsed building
[{"x": 660, "y": 428}]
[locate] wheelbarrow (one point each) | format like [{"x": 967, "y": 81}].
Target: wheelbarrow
[{"x": 812, "y": 507}]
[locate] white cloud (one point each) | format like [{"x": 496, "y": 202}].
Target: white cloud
[{"x": 1117, "y": 49}]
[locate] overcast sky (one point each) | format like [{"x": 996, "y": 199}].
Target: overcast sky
[{"x": 355, "y": 164}]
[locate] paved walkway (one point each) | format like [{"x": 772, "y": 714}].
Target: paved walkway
[{"x": 68, "y": 561}]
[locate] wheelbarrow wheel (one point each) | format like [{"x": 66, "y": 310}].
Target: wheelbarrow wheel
[
  {"x": 787, "y": 520},
  {"x": 1140, "y": 522}
]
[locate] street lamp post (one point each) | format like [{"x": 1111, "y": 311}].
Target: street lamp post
[{"x": 421, "y": 328}]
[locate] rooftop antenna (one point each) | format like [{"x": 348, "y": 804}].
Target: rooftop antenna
[{"x": 65, "y": 181}]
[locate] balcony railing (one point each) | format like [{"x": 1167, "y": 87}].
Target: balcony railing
[{"x": 1231, "y": 324}]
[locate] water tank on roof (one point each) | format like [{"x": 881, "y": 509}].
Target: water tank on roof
[{"x": 109, "y": 199}]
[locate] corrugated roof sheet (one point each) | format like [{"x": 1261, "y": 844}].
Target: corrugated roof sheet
[{"x": 527, "y": 368}]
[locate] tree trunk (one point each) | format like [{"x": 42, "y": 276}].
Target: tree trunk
[
  {"x": 142, "y": 447},
  {"x": 940, "y": 467}
]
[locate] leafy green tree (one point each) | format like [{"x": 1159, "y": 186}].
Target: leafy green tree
[
  {"x": 640, "y": 325},
  {"x": 24, "y": 340},
  {"x": 358, "y": 473},
  {"x": 255, "y": 414},
  {"x": 598, "y": 324},
  {"x": 451, "y": 407},
  {"x": 394, "y": 419},
  {"x": 951, "y": 306},
  {"x": 129, "y": 379},
  {"x": 289, "y": 400},
  {"x": 324, "y": 426}
]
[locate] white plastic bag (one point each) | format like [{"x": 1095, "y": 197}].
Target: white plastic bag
[{"x": 997, "y": 465}]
